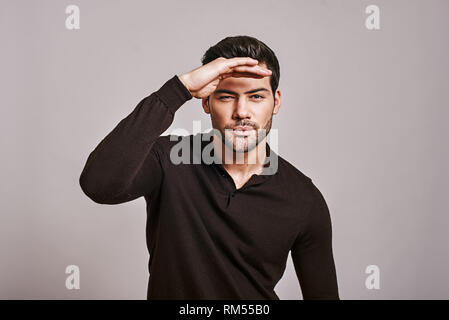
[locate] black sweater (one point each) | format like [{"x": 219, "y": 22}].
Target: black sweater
[{"x": 207, "y": 239}]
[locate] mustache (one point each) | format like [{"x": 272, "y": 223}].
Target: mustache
[{"x": 243, "y": 124}]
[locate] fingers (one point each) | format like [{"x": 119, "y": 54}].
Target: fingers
[
  {"x": 241, "y": 67},
  {"x": 241, "y": 74},
  {"x": 238, "y": 61},
  {"x": 246, "y": 71},
  {"x": 253, "y": 69}
]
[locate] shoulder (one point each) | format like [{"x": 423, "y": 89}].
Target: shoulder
[
  {"x": 290, "y": 170},
  {"x": 296, "y": 181},
  {"x": 315, "y": 214}
]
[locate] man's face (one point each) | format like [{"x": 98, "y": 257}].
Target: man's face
[{"x": 237, "y": 102}]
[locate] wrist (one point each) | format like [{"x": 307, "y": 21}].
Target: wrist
[{"x": 184, "y": 79}]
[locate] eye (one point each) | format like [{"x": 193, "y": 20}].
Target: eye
[
  {"x": 224, "y": 97},
  {"x": 258, "y": 97}
]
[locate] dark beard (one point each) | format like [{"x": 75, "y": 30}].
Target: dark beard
[{"x": 260, "y": 135}]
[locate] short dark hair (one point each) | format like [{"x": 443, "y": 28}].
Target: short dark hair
[{"x": 246, "y": 46}]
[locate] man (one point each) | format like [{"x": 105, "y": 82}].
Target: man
[{"x": 220, "y": 229}]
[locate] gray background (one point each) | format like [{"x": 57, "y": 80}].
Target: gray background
[{"x": 363, "y": 114}]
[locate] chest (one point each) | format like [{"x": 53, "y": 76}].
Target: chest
[{"x": 251, "y": 217}]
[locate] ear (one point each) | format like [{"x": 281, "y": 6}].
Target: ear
[
  {"x": 205, "y": 104},
  {"x": 277, "y": 101}
]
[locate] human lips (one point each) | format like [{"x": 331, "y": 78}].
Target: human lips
[{"x": 242, "y": 130}]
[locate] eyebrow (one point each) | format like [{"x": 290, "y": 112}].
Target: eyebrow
[{"x": 235, "y": 93}]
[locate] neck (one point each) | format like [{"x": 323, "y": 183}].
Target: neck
[{"x": 241, "y": 162}]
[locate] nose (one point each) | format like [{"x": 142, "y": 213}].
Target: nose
[{"x": 241, "y": 109}]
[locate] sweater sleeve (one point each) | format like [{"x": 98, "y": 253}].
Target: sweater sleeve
[
  {"x": 126, "y": 164},
  {"x": 312, "y": 254}
]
